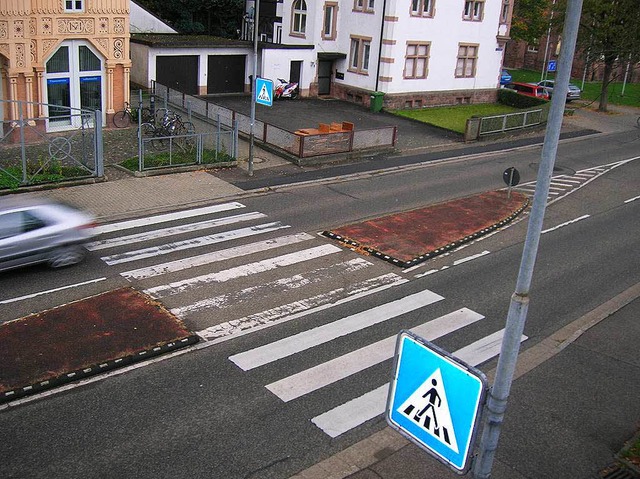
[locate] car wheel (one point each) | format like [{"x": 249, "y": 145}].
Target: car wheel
[{"x": 66, "y": 256}]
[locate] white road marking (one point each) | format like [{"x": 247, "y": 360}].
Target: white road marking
[
  {"x": 317, "y": 377},
  {"x": 281, "y": 314},
  {"x": 172, "y": 231},
  {"x": 208, "y": 258},
  {"x": 152, "y": 220},
  {"x": 471, "y": 258},
  {"x": 632, "y": 199},
  {"x": 313, "y": 337},
  {"x": 55, "y": 290},
  {"x": 359, "y": 410},
  {"x": 278, "y": 286},
  {"x": 565, "y": 224},
  {"x": 192, "y": 243},
  {"x": 177, "y": 287}
]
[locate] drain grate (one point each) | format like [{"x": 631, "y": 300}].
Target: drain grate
[{"x": 616, "y": 471}]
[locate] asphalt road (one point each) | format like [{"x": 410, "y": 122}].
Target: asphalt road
[{"x": 215, "y": 413}]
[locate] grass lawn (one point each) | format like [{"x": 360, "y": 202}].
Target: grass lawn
[
  {"x": 591, "y": 89},
  {"x": 454, "y": 118}
]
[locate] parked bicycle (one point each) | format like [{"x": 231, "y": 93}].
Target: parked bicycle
[
  {"x": 123, "y": 118},
  {"x": 170, "y": 129}
]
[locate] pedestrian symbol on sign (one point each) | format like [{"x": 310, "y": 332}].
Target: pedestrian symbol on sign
[
  {"x": 429, "y": 408},
  {"x": 264, "y": 95}
]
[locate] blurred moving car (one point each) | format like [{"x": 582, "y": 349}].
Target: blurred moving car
[
  {"x": 528, "y": 89},
  {"x": 573, "y": 93},
  {"x": 505, "y": 77},
  {"x": 39, "y": 231}
]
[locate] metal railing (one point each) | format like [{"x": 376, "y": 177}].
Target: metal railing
[
  {"x": 30, "y": 155},
  {"x": 510, "y": 121}
]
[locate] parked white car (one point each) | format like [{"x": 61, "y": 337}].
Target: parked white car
[
  {"x": 39, "y": 231},
  {"x": 573, "y": 93}
]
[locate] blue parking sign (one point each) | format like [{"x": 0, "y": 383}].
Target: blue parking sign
[
  {"x": 435, "y": 400},
  {"x": 551, "y": 67}
]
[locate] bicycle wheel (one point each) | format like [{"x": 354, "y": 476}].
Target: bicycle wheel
[
  {"x": 147, "y": 117},
  {"x": 189, "y": 140},
  {"x": 121, "y": 119},
  {"x": 147, "y": 130}
]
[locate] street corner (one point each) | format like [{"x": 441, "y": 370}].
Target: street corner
[
  {"x": 411, "y": 237},
  {"x": 84, "y": 338}
]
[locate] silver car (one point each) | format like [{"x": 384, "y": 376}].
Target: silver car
[
  {"x": 39, "y": 231},
  {"x": 573, "y": 93}
]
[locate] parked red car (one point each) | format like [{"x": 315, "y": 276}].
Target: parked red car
[{"x": 528, "y": 89}]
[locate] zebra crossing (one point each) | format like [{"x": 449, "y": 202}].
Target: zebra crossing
[
  {"x": 228, "y": 273},
  {"x": 562, "y": 185},
  {"x": 198, "y": 263}
]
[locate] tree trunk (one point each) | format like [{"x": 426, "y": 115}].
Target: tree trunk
[{"x": 606, "y": 77}]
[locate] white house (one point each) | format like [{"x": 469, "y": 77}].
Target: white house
[{"x": 417, "y": 52}]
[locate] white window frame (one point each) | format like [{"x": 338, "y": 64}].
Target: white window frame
[
  {"x": 330, "y": 13},
  {"x": 299, "y": 18},
  {"x": 422, "y": 8},
  {"x": 473, "y": 10},
  {"x": 359, "y": 54},
  {"x": 463, "y": 59},
  {"x": 412, "y": 60},
  {"x": 363, "y": 6},
  {"x": 76, "y": 6}
]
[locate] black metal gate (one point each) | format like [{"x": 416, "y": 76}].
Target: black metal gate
[{"x": 324, "y": 77}]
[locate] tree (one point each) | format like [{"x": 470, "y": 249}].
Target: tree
[
  {"x": 214, "y": 17},
  {"x": 530, "y": 20},
  {"x": 610, "y": 32}
]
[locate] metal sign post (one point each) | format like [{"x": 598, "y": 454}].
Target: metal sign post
[
  {"x": 517, "y": 315},
  {"x": 256, "y": 22}
]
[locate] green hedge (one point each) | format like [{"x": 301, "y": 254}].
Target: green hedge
[{"x": 515, "y": 99}]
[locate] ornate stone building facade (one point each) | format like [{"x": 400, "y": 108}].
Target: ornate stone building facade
[{"x": 69, "y": 53}]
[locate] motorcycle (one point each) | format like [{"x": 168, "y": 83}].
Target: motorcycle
[{"x": 285, "y": 89}]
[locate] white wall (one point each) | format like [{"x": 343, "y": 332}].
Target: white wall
[{"x": 141, "y": 21}]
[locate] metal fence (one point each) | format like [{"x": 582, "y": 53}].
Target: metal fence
[
  {"x": 159, "y": 152},
  {"x": 510, "y": 121},
  {"x": 30, "y": 155},
  {"x": 300, "y": 146}
]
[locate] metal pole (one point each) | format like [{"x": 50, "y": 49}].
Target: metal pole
[
  {"x": 256, "y": 20},
  {"x": 517, "y": 315},
  {"x": 543, "y": 75},
  {"x": 99, "y": 144}
]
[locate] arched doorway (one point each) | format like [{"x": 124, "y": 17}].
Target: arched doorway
[{"x": 74, "y": 78}]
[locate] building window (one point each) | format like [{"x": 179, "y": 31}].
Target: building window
[
  {"x": 74, "y": 5},
  {"x": 504, "y": 12},
  {"x": 532, "y": 48},
  {"x": 359, "y": 54},
  {"x": 416, "y": 60},
  {"x": 330, "y": 20},
  {"x": 299, "y": 23},
  {"x": 467, "y": 58},
  {"x": 363, "y": 5},
  {"x": 473, "y": 10},
  {"x": 422, "y": 8}
]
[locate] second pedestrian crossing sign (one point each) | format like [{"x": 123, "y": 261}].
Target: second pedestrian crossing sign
[{"x": 435, "y": 400}]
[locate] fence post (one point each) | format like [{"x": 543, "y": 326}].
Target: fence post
[
  {"x": 235, "y": 140},
  {"x": 98, "y": 143},
  {"x": 218, "y": 135},
  {"x": 22, "y": 143},
  {"x": 189, "y": 109}
]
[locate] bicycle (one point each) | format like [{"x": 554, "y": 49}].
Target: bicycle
[
  {"x": 170, "y": 125},
  {"x": 123, "y": 118}
]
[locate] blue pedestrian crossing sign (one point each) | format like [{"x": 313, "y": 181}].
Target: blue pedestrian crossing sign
[
  {"x": 264, "y": 91},
  {"x": 435, "y": 400}
]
